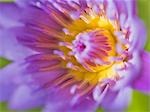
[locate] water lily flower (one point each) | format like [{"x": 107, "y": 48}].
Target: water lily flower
[{"x": 72, "y": 55}]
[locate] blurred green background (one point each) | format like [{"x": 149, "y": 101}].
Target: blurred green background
[{"x": 140, "y": 101}]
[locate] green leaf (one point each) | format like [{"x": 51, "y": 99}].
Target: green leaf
[
  {"x": 6, "y": 0},
  {"x": 4, "y": 62},
  {"x": 144, "y": 11},
  {"x": 4, "y": 108},
  {"x": 100, "y": 110},
  {"x": 140, "y": 103}
]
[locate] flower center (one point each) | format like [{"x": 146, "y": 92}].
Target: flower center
[
  {"x": 79, "y": 46},
  {"x": 92, "y": 48},
  {"x": 88, "y": 46}
]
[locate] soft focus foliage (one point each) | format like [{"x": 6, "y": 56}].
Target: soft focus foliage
[
  {"x": 6, "y": 0},
  {"x": 140, "y": 101},
  {"x": 144, "y": 11},
  {"x": 3, "y": 62}
]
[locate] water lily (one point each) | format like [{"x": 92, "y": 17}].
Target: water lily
[{"x": 72, "y": 55}]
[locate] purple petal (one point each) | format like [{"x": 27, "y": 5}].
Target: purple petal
[
  {"x": 84, "y": 106},
  {"x": 10, "y": 48},
  {"x": 58, "y": 100},
  {"x": 130, "y": 73},
  {"x": 111, "y": 9},
  {"x": 127, "y": 7},
  {"x": 43, "y": 13},
  {"x": 7, "y": 18},
  {"x": 63, "y": 95},
  {"x": 142, "y": 83},
  {"x": 9, "y": 80},
  {"x": 99, "y": 92},
  {"x": 121, "y": 7},
  {"x": 33, "y": 38},
  {"x": 131, "y": 7},
  {"x": 117, "y": 102},
  {"x": 62, "y": 101},
  {"x": 45, "y": 79},
  {"x": 25, "y": 98},
  {"x": 23, "y": 3},
  {"x": 138, "y": 34}
]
